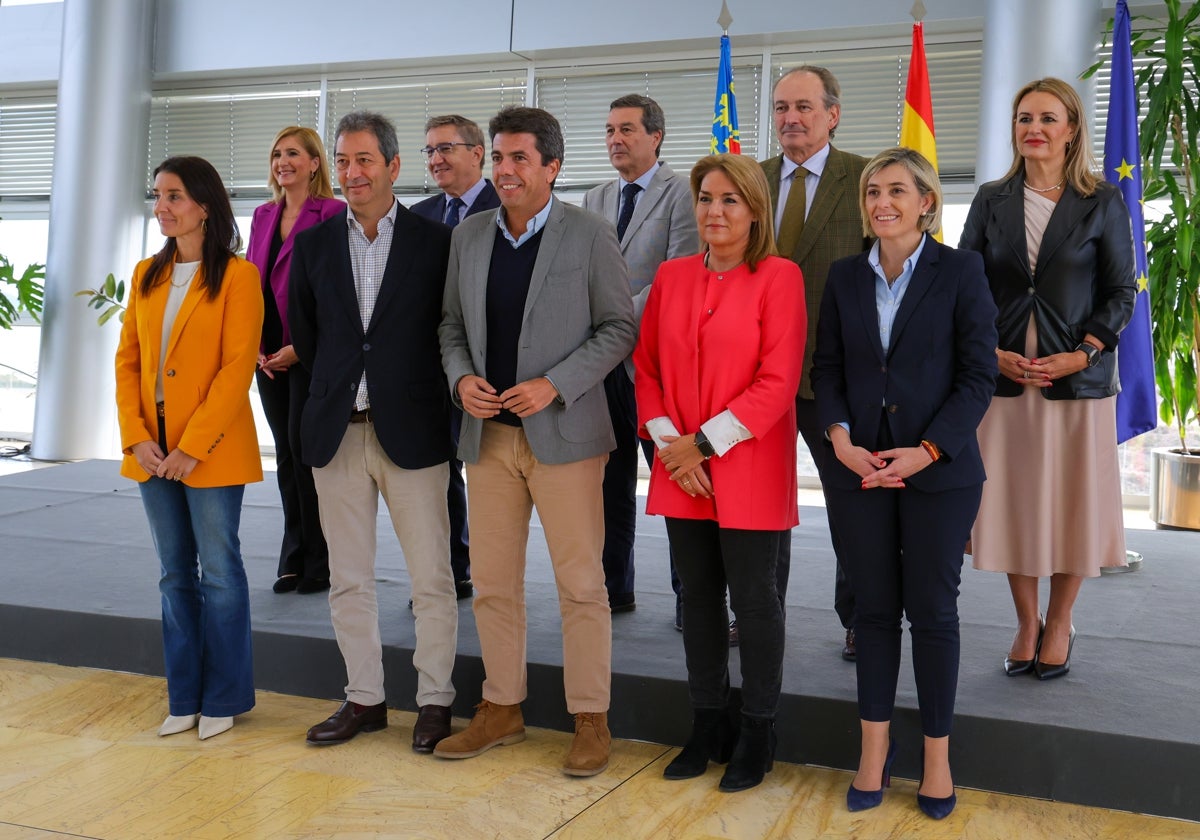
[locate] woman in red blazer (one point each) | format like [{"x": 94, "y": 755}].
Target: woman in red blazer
[
  {"x": 303, "y": 196},
  {"x": 183, "y": 370},
  {"x": 717, "y": 368}
]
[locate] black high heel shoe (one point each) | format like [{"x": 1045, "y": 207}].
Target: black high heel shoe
[
  {"x": 934, "y": 807},
  {"x": 863, "y": 800},
  {"x": 1049, "y": 672},
  {"x": 714, "y": 734},
  {"x": 753, "y": 757},
  {"x": 1016, "y": 667}
]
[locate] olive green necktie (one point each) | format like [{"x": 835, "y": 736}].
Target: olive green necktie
[{"x": 792, "y": 224}]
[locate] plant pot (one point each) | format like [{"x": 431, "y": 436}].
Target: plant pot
[{"x": 1175, "y": 489}]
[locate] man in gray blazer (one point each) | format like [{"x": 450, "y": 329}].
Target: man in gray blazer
[
  {"x": 814, "y": 193},
  {"x": 536, "y": 313},
  {"x": 652, "y": 209}
]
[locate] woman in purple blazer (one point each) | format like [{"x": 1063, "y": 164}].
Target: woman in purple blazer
[{"x": 303, "y": 196}]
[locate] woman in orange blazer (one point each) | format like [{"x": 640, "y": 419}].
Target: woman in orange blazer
[
  {"x": 188, "y": 350},
  {"x": 717, "y": 368},
  {"x": 302, "y": 196}
]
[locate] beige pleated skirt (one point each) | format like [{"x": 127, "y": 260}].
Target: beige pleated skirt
[{"x": 1052, "y": 500}]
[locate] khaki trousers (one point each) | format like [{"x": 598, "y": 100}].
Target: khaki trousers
[
  {"x": 348, "y": 489},
  {"x": 502, "y": 489}
]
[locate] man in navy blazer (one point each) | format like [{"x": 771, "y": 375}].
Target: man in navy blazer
[
  {"x": 454, "y": 151},
  {"x": 364, "y": 306}
]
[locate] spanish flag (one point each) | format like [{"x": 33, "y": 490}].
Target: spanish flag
[{"x": 916, "y": 126}]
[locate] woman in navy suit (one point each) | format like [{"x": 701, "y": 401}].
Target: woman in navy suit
[
  {"x": 903, "y": 372},
  {"x": 303, "y": 196}
]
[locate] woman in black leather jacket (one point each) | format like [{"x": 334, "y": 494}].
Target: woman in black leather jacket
[{"x": 1058, "y": 252}]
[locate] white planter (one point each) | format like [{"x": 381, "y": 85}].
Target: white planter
[{"x": 1175, "y": 489}]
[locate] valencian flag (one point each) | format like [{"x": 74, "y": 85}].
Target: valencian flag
[
  {"x": 1123, "y": 166},
  {"x": 916, "y": 126},
  {"x": 725, "y": 136}
]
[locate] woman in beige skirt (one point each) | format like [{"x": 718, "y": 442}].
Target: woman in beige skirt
[{"x": 1058, "y": 252}]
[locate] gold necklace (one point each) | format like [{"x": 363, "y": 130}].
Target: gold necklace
[{"x": 1047, "y": 189}]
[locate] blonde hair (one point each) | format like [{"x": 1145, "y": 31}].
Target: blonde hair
[
  {"x": 924, "y": 176},
  {"x": 319, "y": 185},
  {"x": 750, "y": 182},
  {"x": 1079, "y": 168}
]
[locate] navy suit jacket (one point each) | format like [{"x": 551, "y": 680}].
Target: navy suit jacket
[
  {"x": 936, "y": 379},
  {"x": 399, "y": 348},
  {"x": 434, "y": 207}
]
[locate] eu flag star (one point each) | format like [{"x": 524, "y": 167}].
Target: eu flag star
[
  {"x": 1142, "y": 282},
  {"x": 1125, "y": 170}
]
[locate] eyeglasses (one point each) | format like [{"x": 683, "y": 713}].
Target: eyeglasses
[{"x": 443, "y": 149}]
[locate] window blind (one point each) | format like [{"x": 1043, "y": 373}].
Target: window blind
[{"x": 26, "y": 144}]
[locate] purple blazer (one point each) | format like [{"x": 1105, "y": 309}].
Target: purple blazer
[{"x": 262, "y": 230}]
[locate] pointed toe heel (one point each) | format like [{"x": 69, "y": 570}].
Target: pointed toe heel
[
  {"x": 864, "y": 800},
  {"x": 1044, "y": 671}
]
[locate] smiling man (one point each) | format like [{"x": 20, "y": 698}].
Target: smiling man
[
  {"x": 652, "y": 209},
  {"x": 537, "y": 312},
  {"x": 814, "y": 194},
  {"x": 365, "y": 303},
  {"x": 454, "y": 150}
]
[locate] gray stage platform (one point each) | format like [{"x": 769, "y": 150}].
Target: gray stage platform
[{"x": 1120, "y": 731}]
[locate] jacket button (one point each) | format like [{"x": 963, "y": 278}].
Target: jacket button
[
  {"x": 1031, "y": 291},
  {"x": 366, "y": 347},
  {"x": 893, "y": 408},
  {"x": 171, "y": 372}
]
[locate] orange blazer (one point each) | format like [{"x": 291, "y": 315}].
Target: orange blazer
[
  {"x": 211, "y": 356},
  {"x": 734, "y": 341}
]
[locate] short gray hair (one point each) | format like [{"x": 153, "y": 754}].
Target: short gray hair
[{"x": 377, "y": 124}]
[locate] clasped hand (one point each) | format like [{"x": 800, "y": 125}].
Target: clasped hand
[
  {"x": 887, "y": 468},
  {"x": 174, "y": 467},
  {"x": 479, "y": 398},
  {"x": 1039, "y": 373},
  {"x": 685, "y": 465}
]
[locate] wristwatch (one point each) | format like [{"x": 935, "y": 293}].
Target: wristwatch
[
  {"x": 1092, "y": 353},
  {"x": 704, "y": 445}
]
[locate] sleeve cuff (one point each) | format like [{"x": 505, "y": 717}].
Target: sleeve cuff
[
  {"x": 658, "y": 427},
  {"x": 724, "y": 432}
]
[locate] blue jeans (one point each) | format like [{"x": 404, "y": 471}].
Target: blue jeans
[{"x": 205, "y": 599}]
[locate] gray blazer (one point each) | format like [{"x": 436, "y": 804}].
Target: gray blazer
[
  {"x": 578, "y": 325},
  {"x": 663, "y": 227}
]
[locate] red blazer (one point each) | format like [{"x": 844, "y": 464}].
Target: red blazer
[
  {"x": 734, "y": 341},
  {"x": 262, "y": 231}
]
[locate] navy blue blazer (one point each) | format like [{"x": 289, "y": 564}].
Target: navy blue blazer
[
  {"x": 937, "y": 378},
  {"x": 399, "y": 348},
  {"x": 434, "y": 207}
]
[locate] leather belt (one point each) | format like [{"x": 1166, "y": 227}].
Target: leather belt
[{"x": 362, "y": 416}]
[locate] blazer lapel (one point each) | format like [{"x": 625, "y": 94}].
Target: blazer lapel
[
  {"x": 341, "y": 268},
  {"x": 1009, "y": 210},
  {"x": 552, "y": 237},
  {"x": 830, "y": 188},
  {"x": 1070, "y": 210},
  {"x": 266, "y": 232},
  {"x": 399, "y": 258},
  {"x": 646, "y": 204},
  {"x": 864, "y": 287},
  {"x": 919, "y": 284},
  {"x": 194, "y": 294}
]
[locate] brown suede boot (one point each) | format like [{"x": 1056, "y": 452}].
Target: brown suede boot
[
  {"x": 492, "y": 726},
  {"x": 589, "y": 750}
]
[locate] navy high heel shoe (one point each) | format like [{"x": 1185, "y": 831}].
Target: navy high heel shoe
[
  {"x": 862, "y": 800},
  {"x": 934, "y": 807}
]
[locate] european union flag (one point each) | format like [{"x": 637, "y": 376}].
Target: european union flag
[
  {"x": 1123, "y": 166},
  {"x": 725, "y": 125}
]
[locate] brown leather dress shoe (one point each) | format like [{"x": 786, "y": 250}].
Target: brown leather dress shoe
[
  {"x": 433, "y": 724},
  {"x": 346, "y": 722},
  {"x": 850, "y": 649}
]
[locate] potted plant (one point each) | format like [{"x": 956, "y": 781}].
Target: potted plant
[{"x": 1167, "y": 52}]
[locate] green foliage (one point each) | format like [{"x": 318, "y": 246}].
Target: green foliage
[
  {"x": 1169, "y": 85},
  {"x": 109, "y": 299},
  {"x": 30, "y": 293}
]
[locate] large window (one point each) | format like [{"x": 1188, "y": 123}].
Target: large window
[{"x": 26, "y": 144}]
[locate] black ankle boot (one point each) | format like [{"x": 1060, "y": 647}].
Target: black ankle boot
[
  {"x": 712, "y": 739},
  {"x": 753, "y": 757}
]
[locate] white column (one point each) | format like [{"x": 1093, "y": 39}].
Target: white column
[
  {"x": 1025, "y": 40},
  {"x": 97, "y": 205}
]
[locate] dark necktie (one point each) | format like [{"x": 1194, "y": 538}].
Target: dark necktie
[
  {"x": 627, "y": 192},
  {"x": 452, "y": 208}
]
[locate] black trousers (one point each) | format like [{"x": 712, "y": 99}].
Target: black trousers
[
  {"x": 620, "y": 488},
  {"x": 903, "y": 552},
  {"x": 814, "y": 438},
  {"x": 303, "y": 551},
  {"x": 710, "y": 558},
  {"x": 456, "y": 505}
]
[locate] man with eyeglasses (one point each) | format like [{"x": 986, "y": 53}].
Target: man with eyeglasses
[
  {"x": 652, "y": 209},
  {"x": 454, "y": 153}
]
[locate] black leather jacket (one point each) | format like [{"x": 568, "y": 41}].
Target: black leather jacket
[{"x": 1083, "y": 284}]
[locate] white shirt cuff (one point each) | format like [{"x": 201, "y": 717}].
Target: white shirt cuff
[
  {"x": 724, "y": 432},
  {"x": 660, "y": 426}
]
